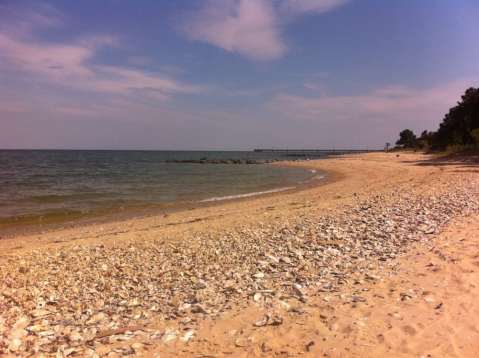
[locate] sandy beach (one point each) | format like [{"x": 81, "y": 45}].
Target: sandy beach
[{"x": 378, "y": 258}]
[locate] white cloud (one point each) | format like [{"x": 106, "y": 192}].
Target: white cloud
[
  {"x": 51, "y": 60},
  {"x": 71, "y": 65},
  {"x": 251, "y": 28},
  {"x": 248, "y": 27}
]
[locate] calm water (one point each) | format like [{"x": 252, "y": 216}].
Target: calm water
[{"x": 50, "y": 185}]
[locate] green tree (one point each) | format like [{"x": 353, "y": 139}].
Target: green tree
[
  {"x": 475, "y": 135},
  {"x": 458, "y": 125},
  {"x": 425, "y": 140},
  {"x": 407, "y": 139}
]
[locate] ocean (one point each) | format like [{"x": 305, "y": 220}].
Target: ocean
[{"x": 42, "y": 186}]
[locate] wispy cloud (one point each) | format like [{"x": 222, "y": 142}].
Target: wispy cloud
[
  {"x": 311, "y": 6},
  {"x": 251, "y": 28},
  {"x": 389, "y": 105},
  {"x": 12, "y": 106},
  {"x": 73, "y": 64},
  {"x": 23, "y": 19}
]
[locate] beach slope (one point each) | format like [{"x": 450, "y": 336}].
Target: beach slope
[{"x": 377, "y": 258}]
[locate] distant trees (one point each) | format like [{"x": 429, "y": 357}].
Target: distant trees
[
  {"x": 425, "y": 140},
  {"x": 475, "y": 135},
  {"x": 407, "y": 139},
  {"x": 459, "y": 128}
]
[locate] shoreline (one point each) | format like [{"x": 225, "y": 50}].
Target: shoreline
[
  {"x": 187, "y": 216},
  {"x": 107, "y": 216},
  {"x": 261, "y": 276}
]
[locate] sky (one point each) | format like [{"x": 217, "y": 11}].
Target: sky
[{"x": 230, "y": 74}]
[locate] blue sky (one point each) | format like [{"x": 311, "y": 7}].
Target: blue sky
[{"x": 230, "y": 74}]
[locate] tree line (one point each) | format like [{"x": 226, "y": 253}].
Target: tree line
[{"x": 459, "y": 128}]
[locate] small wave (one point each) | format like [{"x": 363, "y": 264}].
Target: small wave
[
  {"x": 313, "y": 178},
  {"x": 247, "y": 195}
]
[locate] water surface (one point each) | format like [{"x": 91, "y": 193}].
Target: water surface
[{"x": 41, "y": 185}]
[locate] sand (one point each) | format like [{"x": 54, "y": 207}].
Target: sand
[
  {"x": 428, "y": 308},
  {"x": 423, "y": 302},
  {"x": 348, "y": 178}
]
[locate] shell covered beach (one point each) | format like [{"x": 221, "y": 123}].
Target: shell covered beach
[{"x": 380, "y": 258}]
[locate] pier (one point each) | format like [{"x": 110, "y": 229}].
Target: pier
[{"x": 305, "y": 152}]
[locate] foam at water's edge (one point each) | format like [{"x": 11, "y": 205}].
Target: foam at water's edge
[
  {"x": 230, "y": 197},
  {"x": 247, "y": 195}
]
